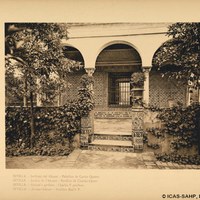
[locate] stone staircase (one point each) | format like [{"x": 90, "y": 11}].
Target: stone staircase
[
  {"x": 112, "y": 135},
  {"x": 112, "y": 141},
  {"x": 111, "y": 145}
]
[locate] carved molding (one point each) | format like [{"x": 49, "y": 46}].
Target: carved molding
[
  {"x": 146, "y": 69},
  {"x": 90, "y": 71},
  {"x": 137, "y": 128}
]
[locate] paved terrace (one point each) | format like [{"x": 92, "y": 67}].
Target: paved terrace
[
  {"x": 86, "y": 159},
  {"x": 111, "y": 126}
]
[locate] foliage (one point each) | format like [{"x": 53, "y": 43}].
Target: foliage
[
  {"x": 145, "y": 137},
  {"x": 34, "y": 52},
  {"x": 178, "y": 59},
  {"x": 180, "y": 159},
  {"x": 86, "y": 99},
  {"x": 137, "y": 101},
  {"x": 156, "y": 132},
  {"x": 137, "y": 80},
  {"x": 34, "y": 55},
  {"x": 182, "y": 123},
  {"x": 153, "y": 146},
  {"x": 63, "y": 122},
  {"x": 182, "y": 52},
  {"x": 48, "y": 144}
]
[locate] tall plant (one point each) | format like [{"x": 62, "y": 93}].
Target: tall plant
[
  {"x": 34, "y": 57},
  {"x": 183, "y": 51}
]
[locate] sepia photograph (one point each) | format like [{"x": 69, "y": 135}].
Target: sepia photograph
[
  {"x": 102, "y": 95},
  {"x": 99, "y": 100}
]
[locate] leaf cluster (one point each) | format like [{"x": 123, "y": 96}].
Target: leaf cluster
[
  {"x": 137, "y": 80},
  {"x": 63, "y": 122},
  {"x": 182, "y": 52},
  {"x": 182, "y": 123},
  {"x": 180, "y": 159},
  {"x": 34, "y": 52}
]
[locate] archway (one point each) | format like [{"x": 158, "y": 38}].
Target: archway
[
  {"x": 114, "y": 66},
  {"x": 73, "y": 79},
  {"x": 73, "y": 53},
  {"x": 165, "y": 92}
]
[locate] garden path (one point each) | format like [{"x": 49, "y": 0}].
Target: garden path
[{"x": 87, "y": 159}]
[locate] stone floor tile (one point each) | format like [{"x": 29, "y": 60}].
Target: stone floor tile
[
  {"x": 164, "y": 164},
  {"x": 158, "y": 163},
  {"x": 87, "y": 159},
  {"x": 152, "y": 167},
  {"x": 176, "y": 164},
  {"x": 150, "y": 163},
  {"x": 170, "y": 164}
]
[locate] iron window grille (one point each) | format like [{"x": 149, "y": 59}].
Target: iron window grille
[{"x": 119, "y": 89}]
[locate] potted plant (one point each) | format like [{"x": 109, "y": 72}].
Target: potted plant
[
  {"x": 137, "y": 80},
  {"x": 137, "y": 84}
]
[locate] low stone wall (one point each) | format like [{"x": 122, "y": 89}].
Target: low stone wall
[
  {"x": 151, "y": 121},
  {"x": 165, "y": 146},
  {"x": 112, "y": 114}
]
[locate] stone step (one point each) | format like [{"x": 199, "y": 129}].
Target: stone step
[
  {"x": 108, "y": 132},
  {"x": 113, "y": 136},
  {"x": 111, "y": 145}
]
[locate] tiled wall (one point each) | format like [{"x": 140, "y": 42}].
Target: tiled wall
[{"x": 161, "y": 92}]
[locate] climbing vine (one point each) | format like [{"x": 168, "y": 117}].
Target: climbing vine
[
  {"x": 182, "y": 123},
  {"x": 55, "y": 126}
]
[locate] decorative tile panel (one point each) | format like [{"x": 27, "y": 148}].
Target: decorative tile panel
[
  {"x": 112, "y": 137},
  {"x": 111, "y": 148},
  {"x": 112, "y": 114},
  {"x": 137, "y": 127},
  {"x": 162, "y": 91}
]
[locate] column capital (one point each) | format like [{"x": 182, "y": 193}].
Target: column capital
[
  {"x": 146, "y": 69},
  {"x": 90, "y": 71}
]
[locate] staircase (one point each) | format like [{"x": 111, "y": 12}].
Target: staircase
[{"x": 112, "y": 135}]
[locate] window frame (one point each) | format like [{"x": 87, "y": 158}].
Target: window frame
[{"x": 114, "y": 76}]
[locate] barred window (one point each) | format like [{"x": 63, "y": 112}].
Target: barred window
[{"x": 119, "y": 89}]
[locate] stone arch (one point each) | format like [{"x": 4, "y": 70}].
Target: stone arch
[
  {"x": 123, "y": 42},
  {"x": 119, "y": 53},
  {"x": 73, "y": 53},
  {"x": 157, "y": 50},
  {"x": 165, "y": 92}
]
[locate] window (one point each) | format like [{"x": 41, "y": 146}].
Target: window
[{"x": 119, "y": 89}]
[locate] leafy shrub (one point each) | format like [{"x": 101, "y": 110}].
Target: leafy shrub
[
  {"x": 63, "y": 121},
  {"x": 182, "y": 123},
  {"x": 180, "y": 159},
  {"x": 156, "y": 132},
  {"x": 137, "y": 80},
  {"x": 47, "y": 144},
  {"x": 145, "y": 137},
  {"x": 153, "y": 146}
]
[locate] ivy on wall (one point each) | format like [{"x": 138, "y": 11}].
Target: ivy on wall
[
  {"x": 180, "y": 159},
  {"x": 182, "y": 123},
  {"x": 55, "y": 126}
]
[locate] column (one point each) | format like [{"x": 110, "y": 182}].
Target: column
[
  {"x": 137, "y": 127},
  {"x": 87, "y": 122},
  {"x": 137, "y": 123},
  {"x": 188, "y": 96},
  {"x": 146, "y": 71},
  {"x": 38, "y": 95},
  {"x": 199, "y": 95}
]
